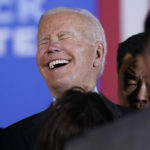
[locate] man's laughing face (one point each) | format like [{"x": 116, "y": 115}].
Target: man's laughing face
[{"x": 65, "y": 53}]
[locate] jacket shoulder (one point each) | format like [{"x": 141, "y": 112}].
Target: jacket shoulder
[
  {"x": 22, "y": 135},
  {"x": 117, "y": 110}
]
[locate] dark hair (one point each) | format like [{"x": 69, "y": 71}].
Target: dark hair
[
  {"x": 147, "y": 29},
  {"x": 147, "y": 36},
  {"x": 147, "y": 25},
  {"x": 133, "y": 45},
  {"x": 70, "y": 116}
]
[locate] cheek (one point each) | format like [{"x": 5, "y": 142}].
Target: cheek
[
  {"x": 38, "y": 61},
  {"x": 129, "y": 89},
  {"x": 121, "y": 81},
  {"x": 131, "y": 97},
  {"x": 85, "y": 57},
  {"x": 40, "y": 56},
  {"x": 75, "y": 49},
  {"x": 124, "y": 92},
  {"x": 131, "y": 94}
]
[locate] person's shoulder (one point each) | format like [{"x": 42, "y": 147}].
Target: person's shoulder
[
  {"x": 23, "y": 132},
  {"x": 126, "y": 110},
  {"x": 29, "y": 122},
  {"x": 117, "y": 109},
  {"x": 23, "y": 122}
]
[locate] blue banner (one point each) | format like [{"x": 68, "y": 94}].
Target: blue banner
[{"x": 23, "y": 91}]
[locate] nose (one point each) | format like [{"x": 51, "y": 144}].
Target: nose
[
  {"x": 142, "y": 96},
  {"x": 53, "y": 46}
]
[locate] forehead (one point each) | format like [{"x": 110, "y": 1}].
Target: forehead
[
  {"x": 136, "y": 67},
  {"x": 133, "y": 65},
  {"x": 63, "y": 20}
]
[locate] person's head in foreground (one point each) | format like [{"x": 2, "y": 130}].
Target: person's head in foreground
[
  {"x": 73, "y": 114},
  {"x": 133, "y": 86},
  {"x": 71, "y": 49}
]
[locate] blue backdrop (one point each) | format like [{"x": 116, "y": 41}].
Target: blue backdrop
[{"x": 23, "y": 91}]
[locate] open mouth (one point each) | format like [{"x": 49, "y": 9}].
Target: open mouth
[{"x": 58, "y": 63}]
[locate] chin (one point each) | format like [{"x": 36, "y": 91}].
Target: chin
[{"x": 59, "y": 85}]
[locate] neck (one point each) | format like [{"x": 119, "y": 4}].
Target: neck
[{"x": 58, "y": 92}]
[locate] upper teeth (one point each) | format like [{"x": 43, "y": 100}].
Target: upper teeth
[{"x": 53, "y": 63}]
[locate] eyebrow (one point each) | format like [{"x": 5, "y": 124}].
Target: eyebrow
[
  {"x": 64, "y": 32},
  {"x": 130, "y": 74}
]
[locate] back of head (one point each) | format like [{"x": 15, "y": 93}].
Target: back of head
[
  {"x": 146, "y": 53},
  {"x": 72, "y": 115},
  {"x": 147, "y": 35},
  {"x": 133, "y": 45},
  {"x": 147, "y": 26}
]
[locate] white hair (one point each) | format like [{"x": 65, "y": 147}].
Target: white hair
[{"x": 97, "y": 29}]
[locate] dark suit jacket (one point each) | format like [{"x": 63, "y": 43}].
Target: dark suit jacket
[
  {"x": 1, "y": 129},
  {"x": 23, "y": 135},
  {"x": 129, "y": 133}
]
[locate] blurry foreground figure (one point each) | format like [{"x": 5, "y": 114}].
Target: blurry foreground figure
[
  {"x": 146, "y": 55},
  {"x": 72, "y": 115}
]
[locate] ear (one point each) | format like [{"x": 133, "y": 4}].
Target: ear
[{"x": 99, "y": 53}]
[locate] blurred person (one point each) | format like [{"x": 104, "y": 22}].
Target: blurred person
[
  {"x": 71, "y": 52},
  {"x": 129, "y": 133},
  {"x": 133, "y": 85},
  {"x": 146, "y": 59},
  {"x": 73, "y": 114}
]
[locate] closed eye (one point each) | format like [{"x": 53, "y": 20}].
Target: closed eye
[
  {"x": 131, "y": 82},
  {"x": 64, "y": 35},
  {"x": 43, "y": 41},
  {"x": 130, "y": 86}
]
